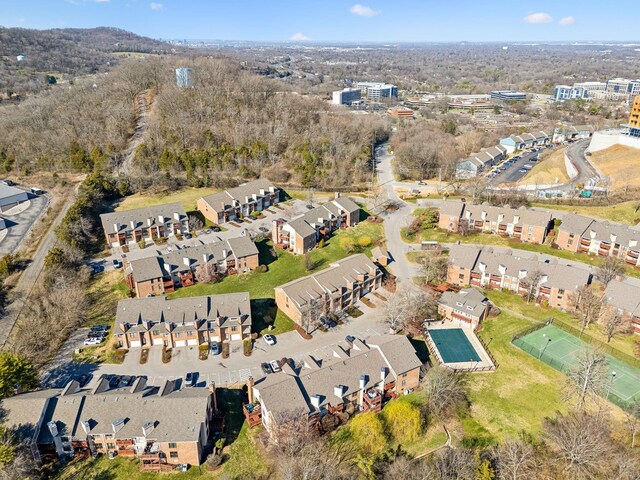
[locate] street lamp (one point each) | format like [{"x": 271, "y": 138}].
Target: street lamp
[
  {"x": 544, "y": 348},
  {"x": 613, "y": 377}
]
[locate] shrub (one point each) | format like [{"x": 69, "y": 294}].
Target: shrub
[
  {"x": 166, "y": 354},
  {"x": 262, "y": 269},
  {"x": 255, "y": 214},
  {"x": 364, "y": 241},
  {"x": 214, "y": 460},
  {"x": 321, "y": 243},
  {"x": 403, "y": 421},
  {"x": 161, "y": 240},
  {"x": 225, "y": 350},
  {"x": 368, "y": 433},
  {"x": 8, "y": 264},
  {"x": 142, "y": 243},
  {"x": 247, "y": 347},
  {"x": 347, "y": 244}
]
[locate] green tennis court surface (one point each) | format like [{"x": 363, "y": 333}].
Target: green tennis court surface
[
  {"x": 453, "y": 345},
  {"x": 559, "y": 348}
]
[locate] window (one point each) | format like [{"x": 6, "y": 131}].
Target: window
[
  {"x": 404, "y": 382},
  {"x": 560, "y": 291},
  {"x": 234, "y": 328},
  {"x": 108, "y": 436},
  {"x": 173, "y": 445},
  {"x": 189, "y": 333},
  {"x": 111, "y": 446},
  {"x": 133, "y": 334},
  {"x": 156, "y": 332},
  {"x": 173, "y": 454},
  {"x": 461, "y": 276}
]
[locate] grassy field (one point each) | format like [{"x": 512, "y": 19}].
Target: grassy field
[
  {"x": 620, "y": 163},
  {"x": 624, "y": 212},
  {"x": 548, "y": 171},
  {"x": 187, "y": 197},
  {"x": 283, "y": 267}
]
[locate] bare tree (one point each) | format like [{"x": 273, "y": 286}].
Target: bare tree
[
  {"x": 408, "y": 309},
  {"x": 610, "y": 268},
  {"x": 588, "y": 378},
  {"x": 531, "y": 283},
  {"x": 587, "y": 305},
  {"x": 612, "y": 320},
  {"x": 451, "y": 464},
  {"x": 433, "y": 265},
  {"x": 195, "y": 223},
  {"x": 205, "y": 273},
  {"x": 311, "y": 314},
  {"x": 516, "y": 460},
  {"x": 446, "y": 390},
  {"x": 580, "y": 443},
  {"x": 633, "y": 421}
]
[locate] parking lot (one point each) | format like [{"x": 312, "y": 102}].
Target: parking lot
[
  {"x": 19, "y": 221},
  {"x": 512, "y": 170}
]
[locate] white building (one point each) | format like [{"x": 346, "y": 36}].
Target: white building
[
  {"x": 375, "y": 90},
  {"x": 347, "y": 96},
  {"x": 623, "y": 86}
]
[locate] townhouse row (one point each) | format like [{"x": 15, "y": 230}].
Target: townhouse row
[
  {"x": 547, "y": 281},
  {"x": 163, "y": 273},
  {"x": 528, "y": 225},
  {"x": 359, "y": 376},
  {"x": 161, "y": 426},
  {"x": 303, "y": 233},
  {"x": 625, "y": 297}
]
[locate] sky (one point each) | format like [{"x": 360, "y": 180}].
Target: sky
[{"x": 338, "y": 20}]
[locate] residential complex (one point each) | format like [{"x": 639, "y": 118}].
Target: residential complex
[
  {"x": 525, "y": 140},
  {"x": 359, "y": 377},
  {"x": 162, "y": 426},
  {"x": 479, "y": 162},
  {"x": 146, "y": 223},
  {"x": 468, "y": 306},
  {"x": 528, "y": 225},
  {"x": 182, "y": 322},
  {"x": 626, "y": 298},
  {"x": 239, "y": 202},
  {"x": 583, "y": 234},
  {"x": 164, "y": 272},
  {"x": 613, "y": 89},
  {"x": 347, "y": 96},
  {"x": 375, "y": 90},
  {"x": 331, "y": 290},
  {"x": 483, "y": 267},
  {"x": 571, "y": 132},
  {"x": 303, "y": 233}
]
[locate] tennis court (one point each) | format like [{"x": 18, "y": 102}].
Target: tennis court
[
  {"x": 558, "y": 349},
  {"x": 453, "y": 345}
]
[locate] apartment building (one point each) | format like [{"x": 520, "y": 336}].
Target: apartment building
[
  {"x": 623, "y": 86},
  {"x": 482, "y": 267},
  {"x": 479, "y": 162},
  {"x": 348, "y": 96},
  {"x": 147, "y": 223},
  {"x": 239, "y": 202},
  {"x": 164, "y": 272},
  {"x": 341, "y": 285},
  {"x": 376, "y": 90},
  {"x": 571, "y": 132},
  {"x": 599, "y": 237},
  {"x": 525, "y": 140},
  {"x": 528, "y": 225},
  {"x": 634, "y": 118},
  {"x": 626, "y": 298},
  {"x": 567, "y": 92},
  {"x": 359, "y": 377},
  {"x": 161, "y": 426},
  {"x": 303, "y": 233},
  {"x": 183, "y": 322},
  {"x": 468, "y": 306}
]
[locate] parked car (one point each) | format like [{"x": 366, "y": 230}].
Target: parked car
[
  {"x": 266, "y": 368},
  {"x": 96, "y": 334},
  {"x": 507, "y": 164},
  {"x": 533, "y": 159},
  {"x": 275, "y": 366},
  {"x": 523, "y": 170},
  {"x": 6, "y": 182},
  {"x": 112, "y": 454},
  {"x": 117, "y": 263},
  {"x": 421, "y": 183},
  {"x": 36, "y": 191},
  {"x": 92, "y": 341},
  {"x": 331, "y": 324},
  {"x": 263, "y": 229},
  {"x": 207, "y": 231},
  {"x": 100, "y": 328},
  {"x": 270, "y": 339},
  {"x": 187, "y": 235},
  {"x": 215, "y": 229},
  {"x": 191, "y": 379},
  {"x": 350, "y": 338},
  {"x": 215, "y": 349}
]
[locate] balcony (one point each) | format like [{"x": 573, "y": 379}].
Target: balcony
[
  {"x": 252, "y": 413},
  {"x": 372, "y": 401},
  {"x": 633, "y": 254}
]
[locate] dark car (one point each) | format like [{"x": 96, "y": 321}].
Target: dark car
[
  {"x": 215, "y": 349},
  {"x": 266, "y": 368},
  {"x": 350, "y": 338},
  {"x": 331, "y": 324},
  {"x": 191, "y": 378}
]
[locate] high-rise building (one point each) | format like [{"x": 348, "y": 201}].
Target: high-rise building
[
  {"x": 375, "y": 90},
  {"x": 346, "y": 96},
  {"x": 634, "y": 118},
  {"x": 184, "y": 77}
]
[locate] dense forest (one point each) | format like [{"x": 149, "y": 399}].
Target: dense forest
[{"x": 51, "y": 54}]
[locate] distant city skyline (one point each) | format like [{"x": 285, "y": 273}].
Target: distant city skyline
[{"x": 410, "y": 21}]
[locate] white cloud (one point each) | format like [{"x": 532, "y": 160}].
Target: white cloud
[
  {"x": 103, "y": 1},
  {"x": 299, "y": 37},
  {"x": 156, "y": 6},
  {"x": 362, "y": 11},
  {"x": 537, "y": 18},
  {"x": 567, "y": 21}
]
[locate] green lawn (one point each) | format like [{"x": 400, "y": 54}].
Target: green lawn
[
  {"x": 283, "y": 267},
  {"x": 624, "y": 212},
  {"x": 518, "y": 395},
  {"x": 187, "y": 197}
]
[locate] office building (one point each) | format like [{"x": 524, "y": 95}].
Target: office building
[
  {"x": 348, "y": 96},
  {"x": 508, "y": 95},
  {"x": 623, "y": 86},
  {"x": 375, "y": 90}
]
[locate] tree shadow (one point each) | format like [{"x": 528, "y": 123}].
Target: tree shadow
[
  {"x": 261, "y": 308},
  {"x": 421, "y": 349},
  {"x": 61, "y": 375},
  {"x": 230, "y": 404},
  {"x": 266, "y": 254}
]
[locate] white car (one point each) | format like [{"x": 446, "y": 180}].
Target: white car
[
  {"x": 275, "y": 366},
  {"x": 92, "y": 341},
  {"x": 269, "y": 339}
]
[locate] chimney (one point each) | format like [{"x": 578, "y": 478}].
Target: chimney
[
  {"x": 85, "y": 426},
  {"x": 262, "y": 191},
  {"x": 320, "y": 220},
  {"x": 149, "y": 221},
  {"x": 338, "y": 391},
  {"x": 224, "y": 253},
  {"x": 116, "y": 227},
  {"x": 147, "y": 428},
  {"x": 383, "y": 375},
  {"x": 222, "y": 206},
  {"x": 254, "y": 196},
  {"x": 363, "y": 382},
  {"x": 500, "y": 217},
  {"x": 186, "y": 261},
  {"x": 133, "y": 224},
  {"x": 161, "y": 218},
  {"x": 205, "y": 257},
  {"x": 176, "y": 215},
  {"x": 468, "y": 214},
  {"x": 336, "y": 195},
  {"x": 484, "y": 215},
  {"x": 516, "y": 219},
  {"x": 167, "y": 267},
  {"x": 250, "y": 384},
  {"x": 57, "y": 441},
  {"x": 315, "y": 401},
  {"x": 246, "y": 199}
]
